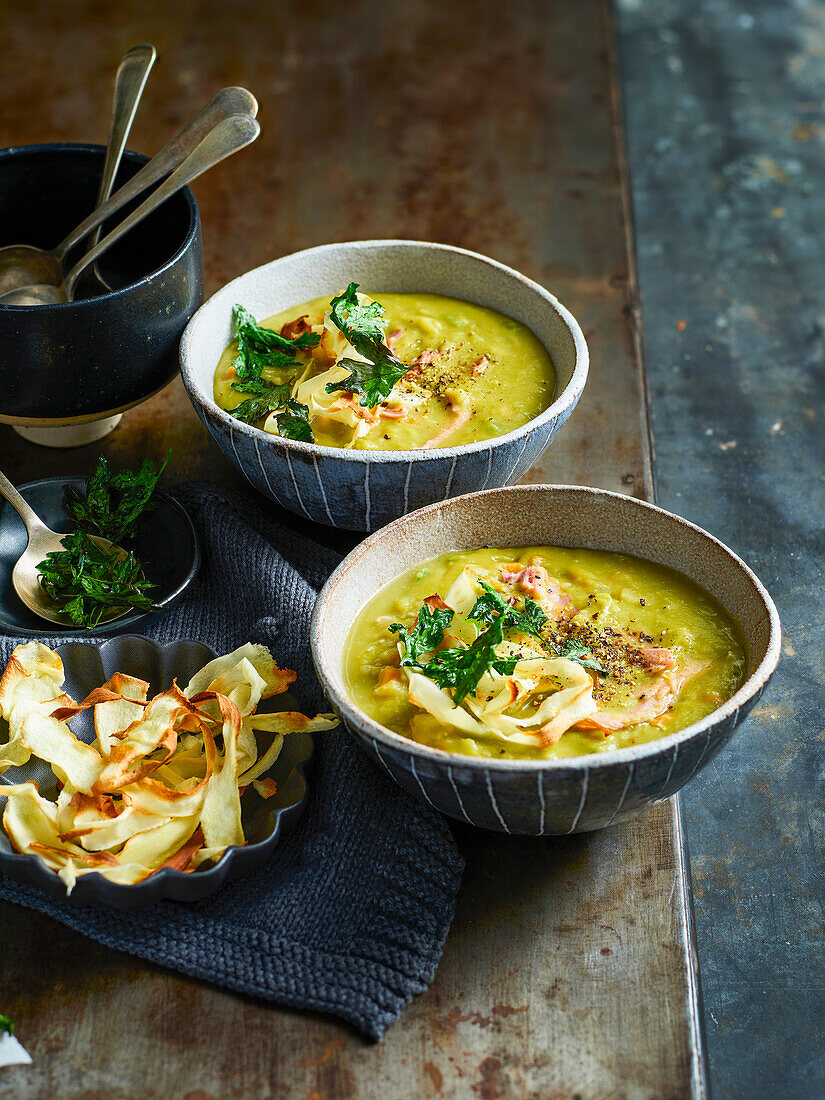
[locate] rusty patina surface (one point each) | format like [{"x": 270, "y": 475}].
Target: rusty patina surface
[{"x": 568, "y": 972}]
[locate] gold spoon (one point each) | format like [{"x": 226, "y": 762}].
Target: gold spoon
[{"x": 43, "y": 541}]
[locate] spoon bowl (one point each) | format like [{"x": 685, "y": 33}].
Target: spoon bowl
[
  {"x": 26, "y": 581},
  {"x": 36, "y": 294},
  {"x": 23, "y": 266}
]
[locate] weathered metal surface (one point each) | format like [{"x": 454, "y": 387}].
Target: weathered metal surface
[
  {"x": 557, "y": 981},
  {"x": 568, "y": 970},
  {"x": 727, "y": 144}
]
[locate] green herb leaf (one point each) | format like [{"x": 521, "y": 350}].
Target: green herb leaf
[
  {"x": 276, "y": 359},
  {"x": 459, "y": 667},
  {"x": 268, "y": 397},
  {"x": 6, "y": 1025},
  {"x": 258, "y": 386},
  {"x": 426, "y": 635},
  {"x": 113, "y": 502},
  {"x": 463, "y": 666},
  {"x": 293, "y": 423},
  {"x": 491, "y": 604},
  {"x": 353, "y": 318},
  {"x": 574, "y": 650},
  {"x": 373, "y": 381},
  {"x": 85, "y": 581},
  {"x": 260, "y": 347},
  {"x": 534, "y": 618},
  {"x": 362, "y": 326}
]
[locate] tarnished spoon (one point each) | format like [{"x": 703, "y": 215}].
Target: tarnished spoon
[
  {"x": 130, "y": 80},
  {"x": 43, "y": 541},
  {"x": 229, "y": 136},
  {"x": 23, "y": 265}
]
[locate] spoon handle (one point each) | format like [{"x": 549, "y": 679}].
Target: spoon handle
[
  {"x": 222, "y": 141},
  {"x": 30, "y": 518},
  {"x": 227, "y": 103},
  {"x": 129, "y": 84}
]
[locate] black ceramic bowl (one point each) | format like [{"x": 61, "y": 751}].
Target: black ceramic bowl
[{"x": 80, "y": 361}]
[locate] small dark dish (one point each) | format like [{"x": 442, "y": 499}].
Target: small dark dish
[
  {"x": 165, "y": 542},
  {"x": 88, "y": 666},
  {"x": 546, "y": 797},
  {"x": 79, "y": 361}
]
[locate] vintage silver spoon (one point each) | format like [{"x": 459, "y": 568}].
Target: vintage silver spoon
[
  {"x": 130, "y": 80},
  {"x": 229, "y": 136},
  {"x": 43, "y": 541},
  {"x": 22, "y": 265}
]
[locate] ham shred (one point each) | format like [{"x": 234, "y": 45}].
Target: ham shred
[
  {"x": 535, "y": 582},
  {"x": 653, "y": 701},
  {"x": 461, "y": 414},
  {"x": 655, "y": 658},
  {"x": 293, "y": 329},
  {"x": 348, "y": 401}
]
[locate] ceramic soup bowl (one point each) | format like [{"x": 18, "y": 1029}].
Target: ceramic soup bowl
[
  {"x": 363, "y": 490},
  {"x": 546, "y": 797}
]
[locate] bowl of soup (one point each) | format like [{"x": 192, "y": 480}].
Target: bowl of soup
[
  {"x": 543, "y": 659},
  {"x": 354, "y": 383}
]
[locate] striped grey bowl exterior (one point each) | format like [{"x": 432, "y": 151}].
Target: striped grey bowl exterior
[
  {"x": 364, "y": 490},
  {"x": 553, "y": 797},
  {"x": 87, "y": 666}
]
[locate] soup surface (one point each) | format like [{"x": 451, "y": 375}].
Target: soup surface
[
  {"x": 461, "y": 373},
  {"x": 547, "y": 652}
]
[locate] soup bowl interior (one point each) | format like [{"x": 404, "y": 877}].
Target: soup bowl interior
[
  {"x": 553, "y": 796},
  {"x": 363, "y": 490}
]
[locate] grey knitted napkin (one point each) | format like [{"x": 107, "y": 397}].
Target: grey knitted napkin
[{"x": 350, "y": 913}]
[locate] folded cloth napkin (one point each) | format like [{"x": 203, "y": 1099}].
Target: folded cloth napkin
[{"x": 350, "y": 913}]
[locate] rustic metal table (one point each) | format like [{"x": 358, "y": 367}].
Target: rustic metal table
[
  {"x": 726, "y": 121},
  {"x": 569, "y": 971}
]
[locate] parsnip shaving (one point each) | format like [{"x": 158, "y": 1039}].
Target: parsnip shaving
[
  {"x": 437, "y": 701},
  {"x": 161, "y": 785}
]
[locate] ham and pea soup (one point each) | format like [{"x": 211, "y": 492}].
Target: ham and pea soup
[
  {"x": 540, "y": 652},
  {"x": 406, "y": 372}
]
